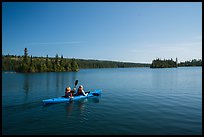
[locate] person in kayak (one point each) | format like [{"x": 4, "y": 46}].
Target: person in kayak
[
  {"x": 81, "y": 91},
  {"x": 68, "y": 92}
]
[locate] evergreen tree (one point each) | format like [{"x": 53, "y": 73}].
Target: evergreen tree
[
  {"x": 74, "y": 65},
  {"x": 26, "y": 55}
]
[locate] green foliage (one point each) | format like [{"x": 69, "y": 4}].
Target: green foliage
[
  {"x": 37, "y": 64},
  {"x": 28, "y": 63},
  {"x": 158, "y": 63},
  {"x": 48, "y": 64},
  {"x": 74, "y": 65},
  {"x": 82, "y": 63},
  {"x": 192, "y": 62}
]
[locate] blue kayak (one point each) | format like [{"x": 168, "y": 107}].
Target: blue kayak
[{"x": 63, "y": 99}]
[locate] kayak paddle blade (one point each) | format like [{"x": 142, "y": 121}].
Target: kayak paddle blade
[
  {"x": 95, "y": 94},
  {"x": 76, "y": 82}
]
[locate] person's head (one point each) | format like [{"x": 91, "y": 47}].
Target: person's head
[
  {"x": 68, "y": 89},
  {"x": 80, "y": 87}
]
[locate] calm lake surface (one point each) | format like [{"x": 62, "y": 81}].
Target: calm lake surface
[{"x": 133, "y": 101}]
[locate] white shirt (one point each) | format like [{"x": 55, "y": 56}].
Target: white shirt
[{"x": 85, "y": 94}]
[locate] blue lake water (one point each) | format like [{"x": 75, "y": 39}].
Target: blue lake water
[{"x": 139, "y": 101}]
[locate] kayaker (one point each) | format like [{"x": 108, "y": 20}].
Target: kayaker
[
  {"x": 68, "y": 92},
  {"x": 81, "y": 91}
]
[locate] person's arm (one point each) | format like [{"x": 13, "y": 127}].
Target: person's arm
[
  {"x": 74, "y": 91},
  {"x": 85, "y": 94}
]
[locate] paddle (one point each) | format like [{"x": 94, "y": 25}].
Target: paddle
[
  {"x": 76, "y": 82},
  {"x": 95, "y": 94}
]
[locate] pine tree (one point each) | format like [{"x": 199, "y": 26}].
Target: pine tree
[
  {"x": 74, "y": 65},
  {"x": 26, "y": 55}
]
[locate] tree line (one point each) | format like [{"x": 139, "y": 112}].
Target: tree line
[
  {"x": 107, "y": 64},
  {"x": 166, "y": 63},
  {"x": 28, "y": 63},
  {"x": 170, "y": 63},
  {"x": 193, "y": 62}
]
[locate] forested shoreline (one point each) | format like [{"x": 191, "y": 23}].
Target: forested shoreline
[
  {"x": 193, "y": 62},
  {"x": 56, "y": 64},
  {"x": 26, "y": 63}
]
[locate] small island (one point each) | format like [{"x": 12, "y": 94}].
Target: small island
[
  {"x": 193, "y": 62},
  {"x": 166, "y": 63},
  {"x": 170, "y": 63}
]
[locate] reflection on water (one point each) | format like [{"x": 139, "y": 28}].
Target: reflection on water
[
  {"x": 159, "y": 78},
  {"x": 57, "y": 81},
  {"x": 35, "y": 84},
  {"x": 64, "y": 80},
  {"x": 74, "y": 77},
  {"x": 80, "y": 104},
  {"x": 69, "y": 108},
  {"x": 26, "y": 85},
  {"x": 48, "y": 77}
]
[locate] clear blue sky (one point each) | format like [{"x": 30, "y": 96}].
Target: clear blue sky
[{"x": 133, "y": 31}]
